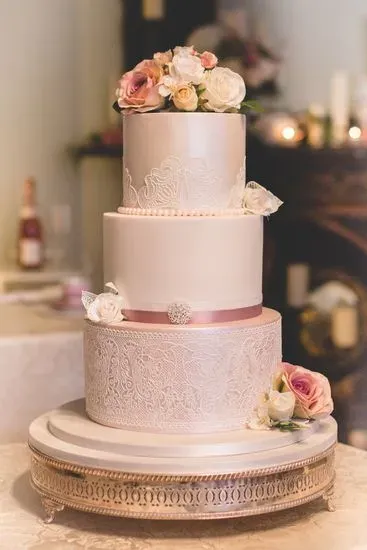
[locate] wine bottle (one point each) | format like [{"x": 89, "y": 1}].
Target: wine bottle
[{"x": 30, "y": 234}]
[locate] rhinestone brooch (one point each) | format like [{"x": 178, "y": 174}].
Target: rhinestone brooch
[{"x": 179, "y": 313}]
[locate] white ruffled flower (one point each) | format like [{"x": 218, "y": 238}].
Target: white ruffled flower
[
  {"x": 105, "y": 307},
  {"x": 186, "y": 69},
  {"x": 169, "y": 86},
  {"x": 258, "y": 200},
  {"x": 224, "y": 90},
  {"x": 280, "y": 406}
]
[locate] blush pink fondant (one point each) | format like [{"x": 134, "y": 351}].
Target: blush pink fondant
[
  {"x": 211, "y": 264},
  {"x": 182, "y": 160}
]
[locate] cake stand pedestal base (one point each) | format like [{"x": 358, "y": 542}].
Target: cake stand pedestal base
[{"x": 109, "y": 492}]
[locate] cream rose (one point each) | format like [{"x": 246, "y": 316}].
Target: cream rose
[
  {"x": 185, "y": 98},
  {"x": 186, "y": 69},
  {"x": 163, "y": 58},
  {"x": 258, "y": 200},
  {"x": 224, "y": 90},
  {"x": 281, "y": 406}
]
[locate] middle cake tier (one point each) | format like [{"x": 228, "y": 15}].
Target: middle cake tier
[
  {"x": 180, "y": 379},
  {"x": 210, "y": 265}
]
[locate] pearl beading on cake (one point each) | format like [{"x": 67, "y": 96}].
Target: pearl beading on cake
[{"x": 172, "y": 212}]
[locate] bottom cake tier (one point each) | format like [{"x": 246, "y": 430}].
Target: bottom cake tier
[
  {"x": 83, "y": 465},
  {"x": 180, "y": 379}
]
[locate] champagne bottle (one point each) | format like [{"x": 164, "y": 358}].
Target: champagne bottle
[{"x": 30, "y": 234}]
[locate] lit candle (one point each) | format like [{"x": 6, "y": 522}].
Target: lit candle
[
  {"x": 297, "y": 285},
  {"x": 153, "y": 10},
  {"x": 344, "y": 326},
  {"x": 355, "y": 134},
  {"x": 339, "y": 107}
]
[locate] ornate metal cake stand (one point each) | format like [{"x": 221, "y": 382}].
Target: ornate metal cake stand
[{"x": 257, "y": 491}]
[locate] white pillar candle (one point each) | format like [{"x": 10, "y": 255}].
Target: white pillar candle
[
  {"x": 339, "y": 107},
  {"x": 153, "y": 10},
  {"x": 297, "y": 285},
  {"x": 344, "y": 326}
]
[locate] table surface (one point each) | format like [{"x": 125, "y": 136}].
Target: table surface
[
  {"x": 33, "y": 320},
  {"x": 307, "y": 527}
]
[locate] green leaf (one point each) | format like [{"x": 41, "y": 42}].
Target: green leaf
[
  {"x": 253, "y": 105},
  {"x": 289, "y": 426},
  {"x": 200, "y": 90}
]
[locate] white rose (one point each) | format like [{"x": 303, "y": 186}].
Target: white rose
[
  {"x": 224, "y": 90},
  {"x": 186, "y": 69},
  {"x": 184, "y": 50},
  {"x": 185, "y": 98},
  {"x": 106, "y": 308},
  {"x": 281, "y": 406},
  {"x": 258, "y": 200}
]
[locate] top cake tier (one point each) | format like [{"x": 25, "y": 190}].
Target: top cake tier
[{"x": 183, "y": 162}]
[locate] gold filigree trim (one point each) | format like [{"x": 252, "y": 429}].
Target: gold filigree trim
[
  {"x": 101, "y": 492},
  {"x": 168, "y": 478}
]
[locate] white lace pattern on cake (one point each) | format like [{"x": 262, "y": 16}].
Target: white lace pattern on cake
[
  {"x": 181, "y": 184},
  {"x": 181, "y": 380}
]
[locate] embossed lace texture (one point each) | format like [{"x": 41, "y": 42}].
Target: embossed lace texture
[
  {"x": 182, "y": 184},
  {"x": 182, "y": 380}
]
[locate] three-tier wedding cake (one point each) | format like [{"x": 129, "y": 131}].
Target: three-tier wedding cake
[{"x": 180, "y": 354}]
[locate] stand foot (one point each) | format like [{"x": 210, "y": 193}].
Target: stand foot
[
  {"x": 50, "y": 507},
  {"x": 329, "y": 499}
]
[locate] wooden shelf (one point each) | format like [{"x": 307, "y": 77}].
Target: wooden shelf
[{"x": 97, "y": 150}]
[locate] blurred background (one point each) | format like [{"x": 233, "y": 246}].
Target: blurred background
[{"x": 60, "y": 147}]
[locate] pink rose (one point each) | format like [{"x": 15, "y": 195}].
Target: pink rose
[
  {"x": 311, "y": 390},
  {"x": 208, "y": 60},
  {"x": 138, "y": 88}
]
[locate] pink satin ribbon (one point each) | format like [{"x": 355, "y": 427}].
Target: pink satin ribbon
[{"x": 198, "y": 317}]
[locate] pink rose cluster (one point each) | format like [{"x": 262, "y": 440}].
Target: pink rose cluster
[
  {"x": 311, "y": 391},
  {"x": 181, "y": 79}
]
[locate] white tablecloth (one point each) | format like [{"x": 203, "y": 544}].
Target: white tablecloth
[
  {"x": 41, "y": 365},
  {"x": 310, "y": 527}
]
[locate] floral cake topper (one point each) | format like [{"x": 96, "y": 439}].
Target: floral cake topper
[
  {"x": 297, "y": 396},
  {"x": 183, "y": 80},
  {"x": 105, "y": 307}
]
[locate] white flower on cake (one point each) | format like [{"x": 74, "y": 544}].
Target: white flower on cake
[
  {"x": 281, "y": 406},
  {"x": 258, "y": 200},
  {"x": 223, "y": 90},
  {"x": 184, "y": 50},
  {"x": 105, "y": 307}
]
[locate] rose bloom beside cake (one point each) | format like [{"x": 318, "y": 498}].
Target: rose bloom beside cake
[{"x": 297, "y": 397}]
